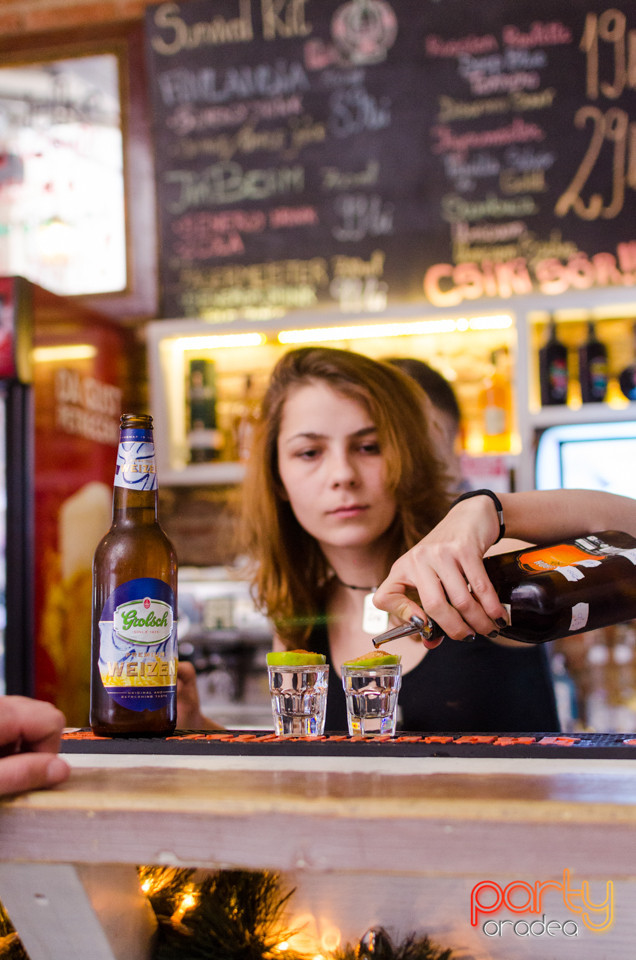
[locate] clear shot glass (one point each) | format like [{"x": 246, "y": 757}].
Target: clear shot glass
[
  {"x": 299, "y": 699},
  {"x": 372, "y": 698}
]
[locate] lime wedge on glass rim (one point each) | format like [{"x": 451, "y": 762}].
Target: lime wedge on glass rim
[
  {"x": 294, "y": 658},
  {"x": 375, "y": 658}
]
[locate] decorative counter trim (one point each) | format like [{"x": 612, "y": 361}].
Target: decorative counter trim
[{"x": 612, "y": 746}]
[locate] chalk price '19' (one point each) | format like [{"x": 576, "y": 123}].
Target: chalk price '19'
[{"x": 605, "y": 33}]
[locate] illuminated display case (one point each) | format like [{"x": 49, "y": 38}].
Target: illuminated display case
[
  {"x": 460, "y": 346},
  {"x": 237, "y": 360},
  {"x": 613, "y": 316}
]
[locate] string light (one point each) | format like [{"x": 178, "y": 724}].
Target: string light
[
  {"x": 240, "y": 912},
  {"x": 330, "y": 939},
  {"x": 153, "y": 880},
  {"x": 188, "y": 901}
]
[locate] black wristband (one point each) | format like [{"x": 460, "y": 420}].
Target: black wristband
[{"x": 495, "y": 499}]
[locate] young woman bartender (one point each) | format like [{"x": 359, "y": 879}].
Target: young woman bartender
[{"x": 343, "y": 491}]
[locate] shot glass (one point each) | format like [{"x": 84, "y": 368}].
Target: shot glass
[
  {"x": 372, "y": 698},
  {"x": 299, "y": 698}
]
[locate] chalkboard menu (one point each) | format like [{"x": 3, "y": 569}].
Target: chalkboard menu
[{"x": 354, "y": 154}]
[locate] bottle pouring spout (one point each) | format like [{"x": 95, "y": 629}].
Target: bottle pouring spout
[{"x": 415, "y": 625}]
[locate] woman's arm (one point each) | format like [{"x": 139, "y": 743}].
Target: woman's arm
[
  {"x": 445, "y": 569},
  {"x": 189, "y": 716},
  {"x": 538, "y": 516}
]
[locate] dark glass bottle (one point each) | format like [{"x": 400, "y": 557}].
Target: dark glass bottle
[
  {"x": 204, "y": 438},
  {"x": 553, "y": 369},
  {"x": 564, "y": 588},
  {"x": 593, "y": 368},
  {"x": 134, "y": 631},
  {"x": 627, "y": 378}
]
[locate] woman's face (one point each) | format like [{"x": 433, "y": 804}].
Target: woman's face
[{"x": 332, "y": 468}]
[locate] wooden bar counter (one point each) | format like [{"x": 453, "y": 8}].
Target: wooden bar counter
[{"x": 396, "y": 841}]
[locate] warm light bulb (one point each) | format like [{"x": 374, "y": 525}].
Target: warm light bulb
[
  {"x": 395, "y": 329},
  {"x": 64, "y": 352},
  {"x": 216, "y": 341},
  {"x": 330, "y": 939},
  {"x": 365, "y": 331},
  {"x": 155, "y": 879},
  {"x": 188, "y": 901}
]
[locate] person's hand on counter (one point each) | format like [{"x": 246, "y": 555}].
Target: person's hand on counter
[
  {"x": 189, "y": 716},
  {"x": 30, "y": 732}
]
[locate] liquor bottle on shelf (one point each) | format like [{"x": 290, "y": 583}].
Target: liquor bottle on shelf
[
  {"x": 204, "y": 438},
  {"x": 565, "y": 693},
  {"x": 245, "y": 420},
  {"x": 134, "y": 630},
  {"x": 622, "y": 685},
  {"x": 597, "y": 708},
  {"x": 553, "y": 369},
  {"x": 496, "y": 404},
  {"x": 593, "y": 371},
  {"x": 559, "y": 589},
  {"x": 627, "y": 377}
]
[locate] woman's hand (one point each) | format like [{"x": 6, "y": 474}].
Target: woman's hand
[
  {"x": 447, "y": 572},
  {"x": 189, "y": 716},
  {"x": 30, "y": 732}
]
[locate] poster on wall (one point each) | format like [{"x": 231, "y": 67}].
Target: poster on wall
[
  {"x": 62, "y": 191},
  {"x": 354, "y": 155}
]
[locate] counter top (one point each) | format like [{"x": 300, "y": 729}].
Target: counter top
[
  {"x": 390, "y": 839},
  {"x": 256, "y": 809}
]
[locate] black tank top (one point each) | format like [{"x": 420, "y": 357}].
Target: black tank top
[{"x": 459, "y": 687}]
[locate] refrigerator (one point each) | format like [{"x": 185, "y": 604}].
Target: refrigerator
[
  {"x": 594, "y": 454},
  {"x": 64, "y": 382}
]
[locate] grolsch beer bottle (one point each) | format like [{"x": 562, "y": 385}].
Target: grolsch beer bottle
[{"x": 134, "y": 614}]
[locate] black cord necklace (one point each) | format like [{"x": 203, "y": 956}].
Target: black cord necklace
[
  {"x": 351, "y": 586},
  {"x": 374, "y": 621}
]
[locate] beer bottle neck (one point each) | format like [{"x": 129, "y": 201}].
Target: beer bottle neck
[
  {"x": 135, "y": 487},
  {"x": 138, "y": 507}
]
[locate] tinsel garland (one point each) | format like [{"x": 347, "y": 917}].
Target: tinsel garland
[
  {"x": 239, "y": 915},
  {"x": 234, "y": 915},
  {"x": 377, "y": 945},
  {"x": 10, "y": 946}
]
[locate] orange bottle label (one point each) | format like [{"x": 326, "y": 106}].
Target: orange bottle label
[{"x": 559, "y": 555}]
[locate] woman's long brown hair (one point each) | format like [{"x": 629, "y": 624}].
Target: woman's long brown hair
[{"x": 287, "y": 567}]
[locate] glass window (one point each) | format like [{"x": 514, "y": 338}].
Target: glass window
[{"x": 62, "y": 200}]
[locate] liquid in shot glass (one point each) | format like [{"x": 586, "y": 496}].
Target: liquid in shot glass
[
  {"x": 371, "y": 685},
  {"x": 298, "y": 683}
]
